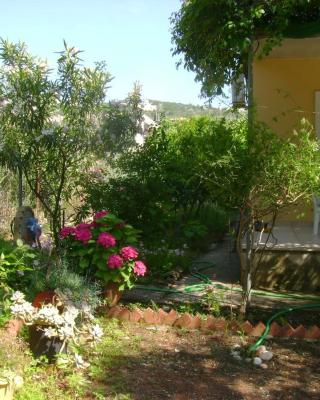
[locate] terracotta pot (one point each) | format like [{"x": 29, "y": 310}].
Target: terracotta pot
[
  {"x": 112, "y": 293},
  {"x": 44, "y": 298}
]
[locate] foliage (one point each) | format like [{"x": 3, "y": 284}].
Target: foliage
[
  {"x": 214, "y": 37},
  {"x": 174, "y": 110},
  {"x": 62, "y": 318},
  {"x": 14, "y": 260},
  {"x": 121, "y": 122},
  {"x": 48, "y": 126},
  {"x": 103, "y": 248},
  {"x": 161, "y": 187}
]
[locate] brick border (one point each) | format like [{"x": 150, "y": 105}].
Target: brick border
[
  {"x": 185, "y": 320},
  {"x": 188, "y": 321}
]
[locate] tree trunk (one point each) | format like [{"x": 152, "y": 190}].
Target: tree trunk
[{"x": 20, "y": 186}]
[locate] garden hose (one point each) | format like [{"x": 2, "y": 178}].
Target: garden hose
[
  {"x": 261, "y": 339},
  {"x": 199, "y": 287}
]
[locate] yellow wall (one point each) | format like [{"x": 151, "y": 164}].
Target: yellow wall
[{"x": 284, "y": 91}]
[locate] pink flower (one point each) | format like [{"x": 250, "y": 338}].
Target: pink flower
[
  {"x": 66, "y": 231},
  {"x": 139, "y": 268},
  {"x": 106, "y": 240},
  {"x": 83, "y": 235},
  {"x": 100, "y": 214},
  {"x": 83, "y": 226},
  {"x": 129, "y": 253},
  {"x": 115, "y": 261}
]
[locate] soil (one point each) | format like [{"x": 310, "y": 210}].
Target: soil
[{"x": 181, "y": 365}]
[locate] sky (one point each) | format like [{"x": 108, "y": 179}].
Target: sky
[{"x": 132, "y": 36}]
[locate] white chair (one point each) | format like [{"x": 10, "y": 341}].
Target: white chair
[{"x": 316, "y": 214}]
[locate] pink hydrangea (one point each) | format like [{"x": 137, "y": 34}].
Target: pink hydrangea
[
  {"x": 129, "y": 253},
  {"x": 139, "y": 268},
  {"x": 115, "y": 261},
  {"x": 82, "y": 226},
  {"x": 100, "y": 214},
  {"x": 83, "y": 235},
  {"x": 66, "y": 231},
  {"x": 106, "y": 240}
]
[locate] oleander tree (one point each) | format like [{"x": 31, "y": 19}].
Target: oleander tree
[{"x": 48, "y": 126}]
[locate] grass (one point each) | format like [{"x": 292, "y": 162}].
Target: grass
[{"x": 43, "y": 381}]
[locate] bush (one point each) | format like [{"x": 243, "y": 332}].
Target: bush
[{"x": 162, "y": 187}]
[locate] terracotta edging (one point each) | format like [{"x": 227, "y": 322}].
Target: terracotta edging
[{"x": 188, "y": 321}]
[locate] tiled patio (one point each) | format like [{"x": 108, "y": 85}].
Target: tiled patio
[{"x": 296, "y": 236}]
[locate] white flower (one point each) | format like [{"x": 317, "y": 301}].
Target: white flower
[
  {"x": 50, "y": 332},
  {"x": 66, "y": 332},
  {"x": 96, "y": 331},
  {"x": 18, "y": 297},
  {"x": 47, "y": 132},
  {"x": 79, "y": 361}
]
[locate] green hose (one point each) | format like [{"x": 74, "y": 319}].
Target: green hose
[{"x": 275, "y": 316}]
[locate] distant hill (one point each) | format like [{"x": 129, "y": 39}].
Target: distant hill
[{"x": 180, "y": 110}]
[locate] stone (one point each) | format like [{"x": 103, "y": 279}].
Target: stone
[
  {"x": 264, "y": 366},
  {"x": 266, "y": 356},
  {"x": 260, "y": 350},
  {"x": 162, "y": 315},
  {"x": 257, "y": 361},
  {"x": 248, "y": 360}
]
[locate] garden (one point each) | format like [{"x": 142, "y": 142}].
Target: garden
[{"x": 89, "y": 216}]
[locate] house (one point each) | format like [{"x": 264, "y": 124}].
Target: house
[{"x": 287, "y": 89}]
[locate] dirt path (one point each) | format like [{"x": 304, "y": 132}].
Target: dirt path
[{"x": 180, "y": 365}]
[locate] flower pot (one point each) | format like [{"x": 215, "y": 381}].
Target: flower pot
[
  {"x": 112, "y": 293},
  {"x": 41, "y": 345},
  {"x": 46, "y": 297},
  {"x": 6, "y": 389}
]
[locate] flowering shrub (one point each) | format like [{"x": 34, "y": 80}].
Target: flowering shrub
[
  {"x": 105, "y": 247},
  {"x": 61, "y": 318}
]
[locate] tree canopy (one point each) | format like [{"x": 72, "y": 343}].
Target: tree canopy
[{"x": 214, "y": 36}]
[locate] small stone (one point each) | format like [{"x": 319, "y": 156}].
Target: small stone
[
  {"x": 260, "y": 350},
  {"x": 264, "y": 366},
  {"x": 176, "y": 350},
  {"x": 236, "y": 347},
  {"x": 237, "y": 357},
  {"x": 266, "y": 356},
  {"x": 257, "y": 361},
  {"x": 248, "y": 360}
]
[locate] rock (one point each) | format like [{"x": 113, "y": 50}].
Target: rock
[
  {"x": 236, "y": 347},
  {"x": 264, "y": 366},
  {"x": 257, "y": 361},
  {"x": 248, "y": 360},
  {"x": 237, "y": 357},
  {"x": 260, "y": 350},
  {"x": 266, "y": 356}
]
